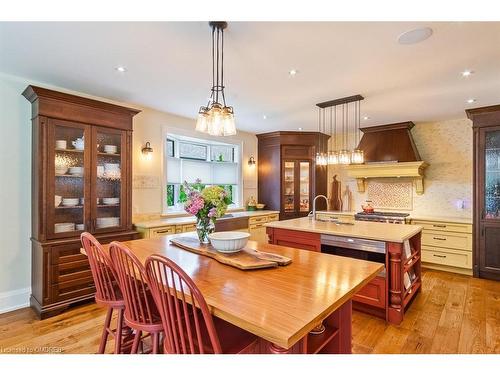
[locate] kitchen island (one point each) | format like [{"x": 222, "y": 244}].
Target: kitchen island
[
  {"x": 396, "y": 246},
  {"x": 279, "y": 305}
]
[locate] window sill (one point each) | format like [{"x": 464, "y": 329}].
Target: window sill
[{"x": 185, "y": 214}]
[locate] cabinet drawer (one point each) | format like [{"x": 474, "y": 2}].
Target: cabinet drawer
[
  {"x": 70, "y": 271},
  {"x": 73, "y": 289},
  {"x": 373, "y": 293},
  {"x": 442, "y": 226},
  {"x": 163, "y": 231},
  {"x": 189, "y": 228},
  {"x": 67, "y": 254},
  {"x": 257, "y": 220},
  {"x": 461, "y": 241},
  {"x": 273, "y": 217},
  {"x": 256, "y": 226},
  {"x": 447, "y": 257}
]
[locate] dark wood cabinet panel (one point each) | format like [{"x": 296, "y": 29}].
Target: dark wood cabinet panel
[
  {"x": 486, "y": 191},
  {"x": 280, "y": 153},
  {"x": 69, "y": 135}
]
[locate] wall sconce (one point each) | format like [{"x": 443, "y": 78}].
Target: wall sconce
[
  {"x": 251, "y": 161},
  {"x": 147, "y": 151}
]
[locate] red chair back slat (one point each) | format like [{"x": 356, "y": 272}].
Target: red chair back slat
[
  {"x": 140, "y": 308},
  {"x": 187, "y": 322},
  {"x": 105, "y": 278}
]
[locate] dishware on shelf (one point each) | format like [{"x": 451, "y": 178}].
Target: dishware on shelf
[
  {"x": 110, "y": 200},
  {"x": 106, "y": 222},
  {"x": 260, "y": 206},
  {"x": 61, "y": 144},
  {"x": 58, "y": 200},
  {"x": 70, "y": 202},
  {"x": 112, "y": 170},
  {"x": 110, "y": 149},
  {"x": 100, "y": 170},
  {"x": 76, "y": 171},
  {"x": 98, "y": 200},
  {"x": 228, "y": 242},
  {"x": 61, "y": 169},
  {"x": 79, "y": 143},
  {"x": 80, "y": 227},
  {"x": 64, "y": 227},
  {"x": 82, "y": 201}
]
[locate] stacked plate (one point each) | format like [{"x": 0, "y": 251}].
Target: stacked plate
[
  {"x": 64, "y": 227},
  {"x": 110, "y": 200},
  {"x": 70, "y": 202},
  {"x": 76, "y": 171},
  {"x": 106, "y": 222}
]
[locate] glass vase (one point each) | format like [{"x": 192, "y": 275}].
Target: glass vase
[{"x": 204, "y": 226}]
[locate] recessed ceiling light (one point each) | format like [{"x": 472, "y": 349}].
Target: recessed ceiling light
[
  {"x": 471, "y": 100},
  {"x": 300, "y": 129},
  {"x": 121, "y": 69},
  {"x": 467, "y": 73},
  {"x": 415, "y": 36},
  {"x": 366, "y": 118},
  {"x": 264, "y": 117},
  {"x": 293, "y": 72}
]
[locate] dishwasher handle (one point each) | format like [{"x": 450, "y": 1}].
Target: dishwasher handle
[{"x": 354, "y": 243}]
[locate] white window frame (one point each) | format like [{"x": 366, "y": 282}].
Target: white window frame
[{"x": 169, "y": 130}]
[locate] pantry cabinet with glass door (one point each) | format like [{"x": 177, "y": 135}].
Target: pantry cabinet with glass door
[
  {"x": 81, "y": 181},
  {"x": 486, "y": 166}
]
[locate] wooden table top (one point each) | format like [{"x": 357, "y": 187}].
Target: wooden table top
[{"x": 280, "y": 305}]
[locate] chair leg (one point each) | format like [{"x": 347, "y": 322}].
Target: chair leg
[
  {"x": 118, "y": 334},
  {"x": 137, "y": 340},
  {"x": 105, "y": 331},
  {"x": 156, "y": 340}
]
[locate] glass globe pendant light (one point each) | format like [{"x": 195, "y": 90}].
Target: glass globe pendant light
[
  {"x": 357, "y": 155},
  {"x": 217, "y": 118}
]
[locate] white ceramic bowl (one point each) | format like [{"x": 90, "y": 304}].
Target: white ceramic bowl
[{"x": 228, "y": 242}]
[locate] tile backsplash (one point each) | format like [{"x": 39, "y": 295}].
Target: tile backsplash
[{"x": 447, "y": 147}]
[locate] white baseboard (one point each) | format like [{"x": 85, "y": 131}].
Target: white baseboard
[{"x": 14, "y": 299}]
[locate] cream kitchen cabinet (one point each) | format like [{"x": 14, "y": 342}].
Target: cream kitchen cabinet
[{"x": 446, "y": 245}]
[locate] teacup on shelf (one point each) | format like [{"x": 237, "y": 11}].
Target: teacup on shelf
[
  {"x": 110, "y": 149},
  {"x": 61, "y": 144}
]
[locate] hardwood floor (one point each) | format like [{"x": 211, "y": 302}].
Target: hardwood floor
[{"x": 452, "y": 314}]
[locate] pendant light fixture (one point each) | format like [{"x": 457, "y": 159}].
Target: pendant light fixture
[
  {"x": 344, "y": 156},
  {"x": 217, "y": 118}
]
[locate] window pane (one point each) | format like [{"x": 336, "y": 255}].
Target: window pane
[
  {"x": 192, "y": 151},
  {"x": 222, "y": 153},
  {"x": 170, "y": 147},
  {"x": 170, "y": 195}
]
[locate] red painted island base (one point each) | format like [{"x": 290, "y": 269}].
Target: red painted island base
[{"x": 336, "y": 339}]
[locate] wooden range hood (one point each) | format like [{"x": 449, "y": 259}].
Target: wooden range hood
[{"x": 389, "y": 151}]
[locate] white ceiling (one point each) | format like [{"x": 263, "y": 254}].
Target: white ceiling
[{"x": 168, "y": 67}]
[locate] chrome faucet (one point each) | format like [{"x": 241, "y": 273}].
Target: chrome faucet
[{"x": 314, "y": 205}]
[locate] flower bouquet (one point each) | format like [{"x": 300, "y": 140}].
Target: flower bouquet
[{"x": 207, "y": 204}]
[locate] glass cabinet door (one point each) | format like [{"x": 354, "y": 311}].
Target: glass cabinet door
[
  {"x": 67, "y": 173},
  {"x": 108, "y": 194},
  {"x": 289, "y": 186},
  {"x": 492, "y": 175},
  {"x": 304, "y": 183}
]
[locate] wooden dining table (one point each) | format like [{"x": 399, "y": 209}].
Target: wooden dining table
[{"x": 280, "y": 305}]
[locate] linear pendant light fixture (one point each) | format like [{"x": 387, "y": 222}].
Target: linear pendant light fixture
[
  {"x": 217, "y": 118},
  {"x": 345, "y": 155}
]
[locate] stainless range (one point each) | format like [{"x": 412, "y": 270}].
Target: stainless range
[{"x": 383, "y": 217}]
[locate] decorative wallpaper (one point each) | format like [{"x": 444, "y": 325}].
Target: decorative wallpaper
[
  {"x": 390, "y": 195},
  {"x": 447, "y": 147}
]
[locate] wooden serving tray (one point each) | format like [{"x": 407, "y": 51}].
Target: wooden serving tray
[{"x": 245, "y": 259}]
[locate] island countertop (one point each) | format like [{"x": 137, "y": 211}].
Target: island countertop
[
  {"x": 280, "y": 305},
  {"x": 360, "y": 229}
]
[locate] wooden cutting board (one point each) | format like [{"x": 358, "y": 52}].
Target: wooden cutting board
[{"x": 245, "y": 259}]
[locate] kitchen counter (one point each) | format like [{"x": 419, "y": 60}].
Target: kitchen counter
[
  {"x": 162, "y": 222},
  {"x": 359, "y": 229}
]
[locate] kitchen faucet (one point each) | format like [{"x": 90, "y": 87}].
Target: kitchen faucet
[{"x": 314, "y": 205}]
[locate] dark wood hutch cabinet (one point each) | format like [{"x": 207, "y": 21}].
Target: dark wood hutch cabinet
[
  {"x": 486, "y": 193},
  {"x": 81, "y": 181},
  {"x": 288, "y": 176}
]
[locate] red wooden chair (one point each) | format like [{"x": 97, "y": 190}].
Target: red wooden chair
[
  {"x": 188, "y": 325},
  {"x": 108, "y": 293},
  {"x": 141, "y": 313}
]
